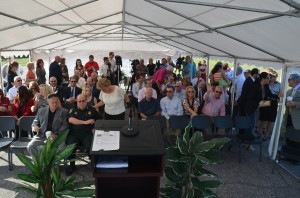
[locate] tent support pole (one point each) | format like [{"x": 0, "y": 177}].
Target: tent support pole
[
  {"x": 1, "y": 77},
  {"x": 273, "y": 146},
  {"x": 233, "y": 86}
]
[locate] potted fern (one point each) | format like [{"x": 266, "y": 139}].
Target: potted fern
[
  {"x": 45, "y": 179},
  {"x": 185, "y": 174}
]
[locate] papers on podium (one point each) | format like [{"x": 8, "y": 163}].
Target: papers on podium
[
  {"x": 106, "y": 140},
  {"x": 112, "y": 162}
]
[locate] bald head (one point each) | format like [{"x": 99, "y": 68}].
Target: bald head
[
  {"x": 57, "y": 59},
  {"x": 148, "y": 93},
  {"x": 53, "y": 81}
]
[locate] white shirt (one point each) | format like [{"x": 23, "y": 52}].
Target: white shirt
[
  {"x": 141, "y": 95},
  {"x": 239, "y": 81},
  {"x": 136, "y": 87},
  {"x": 103, "y": 70},
  {"x": 113, "y": 66},
  {"x": 81, "y": 82},
  {"x": 114, "y": 102},
  {"x": 12, "y": 92}
]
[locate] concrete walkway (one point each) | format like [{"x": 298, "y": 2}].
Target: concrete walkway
[{"x": 240, "y": 180}]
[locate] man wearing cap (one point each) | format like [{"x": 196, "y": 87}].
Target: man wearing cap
[
  {"x": 82, "y": 119},
  {"x": 51, "y": 118}
]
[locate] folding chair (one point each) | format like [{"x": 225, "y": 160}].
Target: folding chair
[
  {"x": 223, "y": 122},
  {"x": 21, "y": 144},
  {"x": 245, "y": 123},
  {"x": 8, "y": 123},
  {"x": 202, "y": 122},
  {"x": 178, "y": 122}
]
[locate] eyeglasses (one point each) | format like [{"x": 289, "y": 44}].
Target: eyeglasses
[
  {"x": 176, "y": 86},
  {"x": 19, "y": 80},
  {"x": 74, "y": 81},
  {"x": 52, "y": 81},
  {"x": 169, "y": 91},
  {"x": 80, "y": 101},
  {"x": 190, "y": 91},
  {"x": 219, "y": 92}
]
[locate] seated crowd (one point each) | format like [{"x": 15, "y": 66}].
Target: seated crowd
[{"x": 75, "y": 103}]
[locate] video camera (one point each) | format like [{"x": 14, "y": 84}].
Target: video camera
[
  {"x": 179, "y": 62},
  {"x": 134, "y": 64},
  {"x": 118, "y": 60}
]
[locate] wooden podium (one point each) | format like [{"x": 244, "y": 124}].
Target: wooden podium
[{"x": 145, "y": 153}]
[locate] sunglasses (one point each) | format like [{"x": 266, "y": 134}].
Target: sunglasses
[
  {"x": 52, "y": 81},
  {"x": 219, "y": 92},
  {"x": 80, "y": 101},
  {"x": 169, "y": 91},
  {"x": 19, "y": 80}
]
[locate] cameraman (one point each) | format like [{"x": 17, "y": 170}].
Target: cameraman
[{"x": 105, "y": 69}]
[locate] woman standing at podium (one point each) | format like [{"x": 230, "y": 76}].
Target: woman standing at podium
[{"x": 113, "y": 98}]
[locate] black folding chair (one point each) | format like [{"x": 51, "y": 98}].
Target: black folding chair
[
  {"x": 244, "y": 127},
  {"x": 7, "y": 123},
  {"x": 22, "y": 143},
  {"x": 179, "y": 122},
  {"x": 223, "y": 122},
  {"x": 202, "y": 122}
]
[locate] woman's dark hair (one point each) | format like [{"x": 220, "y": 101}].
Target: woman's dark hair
[
  {"x": 218, "y": 65},
  {"x": 14, "y": 64},
  {"x": 263, "y": 75},
  {"x": 38, "y": 63},
  {"x": 63, "y": 61},
  {"x": 1, "y": 93},
  {"x": 23, "y": 95},
  {"x": 80, "y": 63}
]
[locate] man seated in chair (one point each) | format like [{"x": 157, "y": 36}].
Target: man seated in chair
[
  {"x": 149, "y": 106},
  {"x": 82, "y": 119},
  {"x": 51, "y": 118}
]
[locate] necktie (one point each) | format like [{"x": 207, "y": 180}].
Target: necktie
[{"x": 73, "y": 92}]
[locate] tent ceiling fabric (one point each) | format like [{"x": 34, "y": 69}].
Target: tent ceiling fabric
[{"x": 256, "y": 30}]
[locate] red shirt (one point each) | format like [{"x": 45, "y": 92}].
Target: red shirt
[
  {"x": 159, "y": 76},
  {"x": 26, "y": 110},
  {"x": 88, "y": 68},
  {"x": 5, "y": 104}
]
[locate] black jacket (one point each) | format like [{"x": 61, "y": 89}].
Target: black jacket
[
  {"x": 254, "y": 97},
  {"x": 244, "y": 95}
]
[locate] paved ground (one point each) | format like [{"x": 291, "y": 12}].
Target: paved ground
[{"x": 248, "y": 179}]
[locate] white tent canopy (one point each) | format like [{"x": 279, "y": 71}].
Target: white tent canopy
[{"x": 251, "y": 30}]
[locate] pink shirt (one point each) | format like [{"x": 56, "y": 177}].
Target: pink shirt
[
  {"x": 159, "y": 76},
  {"x": 213, "y": 106}
]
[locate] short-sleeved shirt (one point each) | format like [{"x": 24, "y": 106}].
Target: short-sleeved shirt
[
  {"x": 88, "y": 113},
  {"x": 114, "y": 102},
  {"x": 149, "y": 108},
  {"x": 91, "y": 64}
]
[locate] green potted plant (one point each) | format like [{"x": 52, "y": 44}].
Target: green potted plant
[
  {"x": 185, "y": 174},
  {"x": 45, "y": 178}
]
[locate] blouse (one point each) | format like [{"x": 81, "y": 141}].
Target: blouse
[
  {"x": 195, "y": 103},
  {"x": 114, "y": 102},
  {"x": 41, "y": 75}
]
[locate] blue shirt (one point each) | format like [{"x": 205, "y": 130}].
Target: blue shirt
[
  {"x": 180, "y": 94},
  {"x": 191, "y": 67},
  {"x": 171, "y": 107},
  {"x": 149, "y": 108}
]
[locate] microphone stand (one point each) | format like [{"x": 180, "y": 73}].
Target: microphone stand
[{"x": 129, "y": 130}]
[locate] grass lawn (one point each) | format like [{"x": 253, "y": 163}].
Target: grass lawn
[{"x": 21, "y": 61}]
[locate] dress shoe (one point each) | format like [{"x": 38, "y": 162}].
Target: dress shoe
[{"x": 70, "y": 169}]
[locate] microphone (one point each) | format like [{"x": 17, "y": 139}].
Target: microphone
[{"x": 129, "y": 130}]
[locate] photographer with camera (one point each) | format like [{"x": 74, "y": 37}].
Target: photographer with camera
[{"x": 91, "y": 66}]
